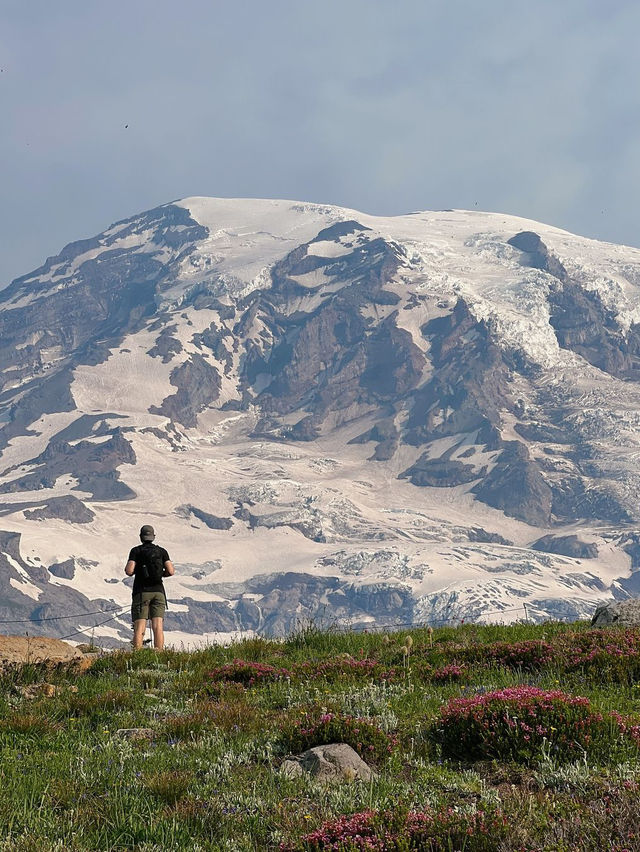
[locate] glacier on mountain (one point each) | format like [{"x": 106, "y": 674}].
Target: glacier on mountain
[{"x": 328, "y": 416}]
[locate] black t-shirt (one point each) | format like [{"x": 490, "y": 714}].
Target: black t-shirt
[{"x": 136, "y": 555}]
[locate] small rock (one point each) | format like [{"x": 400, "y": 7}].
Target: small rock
[
  {"x": 84, "y": 663},
  {"x": 43, "y": 690},
  {"x": 333, "y": 762},
  {"x": 136, "y": 733}
]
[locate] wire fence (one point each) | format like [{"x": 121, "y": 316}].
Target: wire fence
[
  {"x": 119, "y": 611},
  {"x": 334, "y": 626},
  {"x": 37, "y": 620},
  {"x": 93, "y": 627},
  {"x": 448, "y": 621}
]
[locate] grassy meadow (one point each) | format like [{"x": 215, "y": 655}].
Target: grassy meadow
[{"x": 521, "y": 737}]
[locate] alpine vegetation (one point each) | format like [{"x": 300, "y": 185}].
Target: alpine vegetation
[{"x": 330, "y": 741}]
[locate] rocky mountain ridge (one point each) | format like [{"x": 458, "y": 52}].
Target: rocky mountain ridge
[{"x": 327, "y": 415}]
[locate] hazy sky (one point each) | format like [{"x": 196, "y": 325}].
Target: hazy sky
[{"x": 387, "y": 106}]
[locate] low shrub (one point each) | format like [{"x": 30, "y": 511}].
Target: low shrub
[
  {"x": 247, "y": 673},
  {"x": 609, "y": 655},
  {"x": 170, "y": 785},
  {"x": 626, "y": 726},
  {"x": 187, "y": 726},
  {"x": 452, "y": 672},
  {"x": 235, "y": 716},
  {"x": 401, "y": 831},
  {"x": 229, "y": 713},
  {"x": 28, "y": 724},
  {"x": 122, "y": 662},
  {"x": 530, "y": 655},
  {"x": 519, "y": 723},
  {"x": 341, "y": 668},
  {"x": 449, "y": 674},
  {"x": 604, "y": 818},
  {"x": 108, "y": 702},
  {"x": 202, "y": 817},
  {"x": 314, "y": 729}
]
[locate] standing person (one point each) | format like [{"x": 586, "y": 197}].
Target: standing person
[{"x": 148, "y": 564}]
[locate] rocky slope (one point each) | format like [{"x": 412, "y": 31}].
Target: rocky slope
[{"x": 326, "y": 415}]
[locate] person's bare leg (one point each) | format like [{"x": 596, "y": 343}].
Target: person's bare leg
[
  {"x": 139, "y": 626},
  {"x": 158, "y": 633}
]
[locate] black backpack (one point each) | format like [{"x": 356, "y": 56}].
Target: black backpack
[{"x": 150, "y": 565}]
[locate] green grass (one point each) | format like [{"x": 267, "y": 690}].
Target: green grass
[{"x": 208, "y": 777}]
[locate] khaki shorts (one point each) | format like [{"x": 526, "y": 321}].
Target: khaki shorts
[{"x": 147, "y": 605}]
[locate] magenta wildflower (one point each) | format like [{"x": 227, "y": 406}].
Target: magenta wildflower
[
  {"x": 247, "y": 673},
  {"x": 517, "y": 722},
  {"x": 381, "y": 831}
]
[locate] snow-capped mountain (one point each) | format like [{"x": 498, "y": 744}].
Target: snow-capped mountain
[{"x": 326, "y": 415}]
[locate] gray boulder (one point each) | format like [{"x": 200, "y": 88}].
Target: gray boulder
[
  {"x": 622, "y": 613},
  {"x": 334, "y": 762}
]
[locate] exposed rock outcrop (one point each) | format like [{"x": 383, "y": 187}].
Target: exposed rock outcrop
[
  {"x": 36, "y": 649},
  {"x": 481, "y": 535},
  {"x": 67, "y": 508},
  {"x": 211, "y": 521},
  {"x": 516, "y": 486},
  {"x": 566, "y": 545},
  {"x": 166, "y": 345},
  {"x": 537, "y": 255},
  {"x": 110, "y": 293},
  {"x": 94, "y": 465},
  {"x": 198, "y": 384},
  {"x": 440, "y": 473},
  {"x": 387, "y": 437},
  {"x": 470, "y": 383},
  {"x": 620, "y": 613},
  {"x": 332, "y": 361}
]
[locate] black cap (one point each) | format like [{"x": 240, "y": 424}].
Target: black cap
[{"x": 147, "y": 533}]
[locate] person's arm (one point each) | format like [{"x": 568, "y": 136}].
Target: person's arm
[
  {"x": 168, "y": 569},
  {"x": 130, "y": 568}
]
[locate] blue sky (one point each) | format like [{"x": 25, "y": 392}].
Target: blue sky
[{"x": 387, "y": 107}]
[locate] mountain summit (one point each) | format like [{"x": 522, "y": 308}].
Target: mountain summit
[{"x": 325, "y": 415}]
